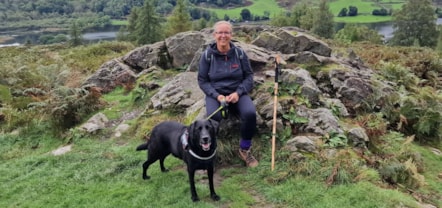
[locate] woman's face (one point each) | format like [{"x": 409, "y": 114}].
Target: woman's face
[{"x": 223, "y": 35}]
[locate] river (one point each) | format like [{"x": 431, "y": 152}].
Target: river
[{"x": 110, "y": 33}]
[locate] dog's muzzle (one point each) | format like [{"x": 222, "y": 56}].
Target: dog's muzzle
[{"x": 205, "y": 143}]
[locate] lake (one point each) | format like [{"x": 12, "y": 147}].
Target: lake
[
  {"x": 91, "y": 36},
  {"x": 110, "y": 33},
  {"x": 386, "y": 28}
]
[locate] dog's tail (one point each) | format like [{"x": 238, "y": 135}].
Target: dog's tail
[{"x": 143, "y": 146}]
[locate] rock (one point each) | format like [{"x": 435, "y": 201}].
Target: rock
[
  {"x": 62, "y": 150},
  {"x": 97, "y": 122}
]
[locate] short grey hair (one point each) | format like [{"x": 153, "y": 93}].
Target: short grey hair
[{"x": 223, "y": 22}]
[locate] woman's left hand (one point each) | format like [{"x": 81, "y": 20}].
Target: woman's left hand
[{"x": 232, "y": 98}]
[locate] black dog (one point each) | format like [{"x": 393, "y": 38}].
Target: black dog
[{"x": 194, "y": 144}]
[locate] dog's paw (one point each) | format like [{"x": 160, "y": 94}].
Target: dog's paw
[
  {"x": 145, "y": 177},
  {"x": 215, "y": 197},
  {"x": 195, "y": 198},
  {"x": 165, "y": 170}
]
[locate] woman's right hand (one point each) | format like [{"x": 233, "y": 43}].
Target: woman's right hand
[{"x": 221, "y": 98}]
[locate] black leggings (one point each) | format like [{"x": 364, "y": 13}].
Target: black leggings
[{"x": 245, "y": 109}]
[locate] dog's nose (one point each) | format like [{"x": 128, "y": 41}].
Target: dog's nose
[{"x": 205, "y": 139}]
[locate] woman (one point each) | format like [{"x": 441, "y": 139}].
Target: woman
[{"x": 225, "y": 76}]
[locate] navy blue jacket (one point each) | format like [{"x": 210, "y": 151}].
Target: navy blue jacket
[{"x": 224, "y": 73}]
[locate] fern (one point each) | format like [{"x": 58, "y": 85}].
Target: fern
[{"x": 422, "y": 111}]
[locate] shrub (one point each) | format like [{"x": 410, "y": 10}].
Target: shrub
[
  {"x": 352, "y": 33},
  {"x": 422, "y": 113},
  {"x": 13, "y": 118},
  {"x": 399, "y": 75},
  {"x": 68, "y": 107},
  {"x": 374, "y": 125}
]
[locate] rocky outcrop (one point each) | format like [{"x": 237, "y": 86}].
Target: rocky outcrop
[
  {"x": 322, "y": 94},
  {"x": 291, "y": 41},
  {"x": 111, "y": 74},
  {"x": 179, "y": 93}
]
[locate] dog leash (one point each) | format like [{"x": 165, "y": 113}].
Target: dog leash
[{"x": 223, "y": 105}]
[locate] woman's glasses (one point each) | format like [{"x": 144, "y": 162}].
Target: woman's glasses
[{"x": 223, "y": 33}]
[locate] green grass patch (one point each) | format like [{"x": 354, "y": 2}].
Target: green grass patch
[
  {"x": 432, "y": 172},
  {"x": 119, "y": 102},
  {"x": 257, "y": 8},
  {"x": 119, "y": 22},
  {"x": 107, "y": 173},
  {"x": 363, "y": 19},
  {"x": 365, "y": 9}
]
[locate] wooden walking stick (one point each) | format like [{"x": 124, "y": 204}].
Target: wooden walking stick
[{"x": 275, "y": 106}]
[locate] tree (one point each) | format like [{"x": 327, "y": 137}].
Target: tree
[
  {"x": 280, "y": 20},
  {"x": 128, "y": 33},
  {"x": 75, "y": 35},
  {"x": 380, "y": 12},
  {"x": 351, "y": 33},
  {"x": 246, "y": 15},
  {"x": 299, "y": 10},
  {"x": 144, "y": 25},
  {"x": 323, "y": 24},
  {"x": 306, "y": 21},
  {"x": 439, "y": 42},
  {"x": 200, "y": 24},
  {"x": 343, "y": 12},
  {"x": 352, "y": 11},
  {"x": 179, "y": 20},
  {"x": 415, "y": 24},
  {"x": 226, "y": 17}
]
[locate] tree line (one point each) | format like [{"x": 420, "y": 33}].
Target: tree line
[
  {"x": 414, "y": 24},
  {"x": 90, "y": 13}
]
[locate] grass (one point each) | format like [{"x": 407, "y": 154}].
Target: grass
[
  {"x": 119, "y": 22},
  {"x": 107, "y": 173},
  {"x": 365, "y": 9},
  {"x": 117, "y": 98},
  {"x": 257, "y": 8}
]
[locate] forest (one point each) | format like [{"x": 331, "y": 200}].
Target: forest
[{"x": 93, "y": 13}]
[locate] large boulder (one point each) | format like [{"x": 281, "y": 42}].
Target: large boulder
[
  {"x": 302, "y": 78},
  {"x": 180, "y": 93},
  {"x": 147, "y": 56},
  {"x": 110, "y": 75},
  {"x": 288, "y": 41},
  {"x": 182, "y": 47}
]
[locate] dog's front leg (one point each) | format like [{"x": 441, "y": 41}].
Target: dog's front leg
[
  {"x": 213, "y": 195},
  {"x": 191, "y": 173}
]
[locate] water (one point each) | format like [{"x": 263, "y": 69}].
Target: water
[
  {"x": 100, "y": 34},
  {"x": 110, "y": 33}
]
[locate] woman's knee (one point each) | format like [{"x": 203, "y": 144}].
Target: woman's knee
[{"x": 249, "y": 115}]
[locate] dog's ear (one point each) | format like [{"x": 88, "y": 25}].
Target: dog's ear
[
  {"x": 215, "y": 125},
  {"x": 191, "y": 131}
]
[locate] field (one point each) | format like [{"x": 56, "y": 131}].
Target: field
[
  {"x": 365, "y": 8},
  {"x": 257, "y": 8}
]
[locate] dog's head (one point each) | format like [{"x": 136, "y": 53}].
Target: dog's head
[{"x": 202, "y": 134}]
